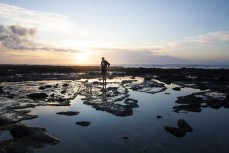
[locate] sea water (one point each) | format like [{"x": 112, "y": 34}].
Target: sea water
[{"x": 144, "y": 130}]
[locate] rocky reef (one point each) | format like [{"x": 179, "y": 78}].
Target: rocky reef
[{"x": 197, "y": 101}]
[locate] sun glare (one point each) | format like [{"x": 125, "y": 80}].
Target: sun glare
[{"x": 82, "y": 58}]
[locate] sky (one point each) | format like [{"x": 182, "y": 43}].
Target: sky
[{"x": 80, "y": 32}]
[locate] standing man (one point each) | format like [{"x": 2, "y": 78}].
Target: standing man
[{"x": 104, "y": 65}]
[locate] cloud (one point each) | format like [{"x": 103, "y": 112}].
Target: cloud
[
  {"x": 219, "y": 36},
  {"x": 45, "y": 21},
  {"x": 15, "y": 37}
]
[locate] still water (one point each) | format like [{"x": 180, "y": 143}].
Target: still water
[{"x": 145, "y": 132}]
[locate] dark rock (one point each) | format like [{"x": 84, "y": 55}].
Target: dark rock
[
  {"x": 167, "y": 93},
  {"x": 63, "y": 91},
  {"x": 126, "y": 138},
  {"x": 65, "y": 85},
  {"x": 34, "y": 133},
  {"x": 83, "y": 123},
  {"x": 226, "y": 104},
  {"x": 227, "y": 97},
  {"x": 184, "y": 125},
  {"x": 159, "y": 117},
  {"x": 168, "y": 82},
  {"x": 10, "y": 96},
  {"x": 178, "y": 132},
  {"x": 37, "y": 96},
  {"x": 176, "y": 88},
  {"x": 214, "y": 103},
  {"x": 147, "y": 78},
  {"x": 132, "y": 103},
  {"x": 60, "y": 99},
  {"x": 20, "y": 131},
  {"x": 69, "y": 113},
  {"x": 45, "y": 87},
  {"x": 1, "y": 90},
  {"x": 25, "y": 139},
  {"x": 112, "y": 88},
  {"x": 128, "y": 81}
]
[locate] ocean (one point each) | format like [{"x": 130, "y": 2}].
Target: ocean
[{"x": 174, "y": 66}]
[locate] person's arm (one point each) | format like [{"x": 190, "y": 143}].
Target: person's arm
[{"x": 108, "y": 64}]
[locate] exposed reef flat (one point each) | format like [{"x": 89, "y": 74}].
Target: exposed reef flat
[{"x": 24, "y": 87}]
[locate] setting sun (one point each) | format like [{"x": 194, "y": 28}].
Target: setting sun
[{"x": 82, "y": 58}]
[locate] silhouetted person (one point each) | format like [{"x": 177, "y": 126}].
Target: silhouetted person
[{"x": 104, "y": 65}]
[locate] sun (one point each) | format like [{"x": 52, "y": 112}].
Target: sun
[{"x": 82, "y": 58}]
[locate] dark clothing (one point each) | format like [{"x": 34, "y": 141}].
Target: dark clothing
[{"x": 104, "y": 65}]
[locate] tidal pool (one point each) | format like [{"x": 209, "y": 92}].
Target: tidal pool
[{"x": 140, "y": 132}]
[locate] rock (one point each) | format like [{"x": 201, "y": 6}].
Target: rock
[
  {"x": 45, "y": 87},
  {"x": 126, "y": 138},
  {"x": 227, "y": 97},
  {"x": 12, "y": 116},
  {"x": 69, "y": 113},
  {"x": 184, "y": 125},
  {"x": 132, "y": 103},
  {"x": 144, "y": 149},
  {"x": 63, "y": 91},
  {"x": 159, "y": 117},
  {"x": 35, "y": 96},
  {"x": 168, "y": 82},
  {"x": 83, "y": 123},
  {"x": 1, "y": 90},
  {"x": 25, "y": 139},
  {"x": 10, "y": 96},
  {"x": 35, "y": 133},
  {"x": 167, "y": 93},
  {"x": 214, "y": 103},
  {"x": 147, "y": 78},
  {"x": 226, "y": 104},
  {"x": 178, "y": 132},
  {"x": 176, "y": 88},
  {"x": 65, "y": 85},
  {"x": 128, "y": 81}
]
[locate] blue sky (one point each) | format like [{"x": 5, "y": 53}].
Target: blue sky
[{"x": 124, "y": 31}]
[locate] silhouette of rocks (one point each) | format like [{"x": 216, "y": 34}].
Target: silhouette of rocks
[
  {"x": 181, "y": 130},
  {"x": 132, "y": 103},
  {"x": 35, "y": 96},
  {"x": 1, "y": 90},
  {"x": 11, "y": 116},
  {"x": 126, "y": 138},
  {"x": 184, "y": 125},
  {"x": 25, "y": 139},
  {"x": 176, "y": 88},
  {"x": 68, "y": 113},
  {"x": 159, "y": 116},
  {"x": 196, "y": 101},
  {"x": 83, "y": 123},
  {"x": 147, "y": 87},
  {"x": 45, "y": 87},
  {"x": 147, "y": 78},
  {"x": 178, "y": 132}
]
